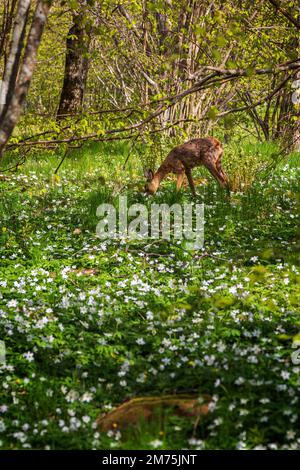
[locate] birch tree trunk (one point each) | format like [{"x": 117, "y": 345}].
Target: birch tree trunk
[
  {"x": 296, "y": 136},
  {"x": 12, "y": 64},
  {"x": 7, "y": 12},
  {"x": 10, "y": 118}
]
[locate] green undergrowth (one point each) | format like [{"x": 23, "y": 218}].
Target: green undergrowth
[{"x": 89, "y": 323}]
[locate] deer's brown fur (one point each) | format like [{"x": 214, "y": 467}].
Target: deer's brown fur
[{"x": 182, "y": 159}]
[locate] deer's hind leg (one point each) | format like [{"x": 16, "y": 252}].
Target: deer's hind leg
[
  {"x": 180, "y": 178},
  {"x": 190, "y": 180}
]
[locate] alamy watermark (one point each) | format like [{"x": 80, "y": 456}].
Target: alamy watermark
[
  {"x": 296, "y": 93},
  {"x": 2, "y": 352},
  {"x": 2, "y": 93},
  {"x": 295, "y": 356},
  {"x": 137, "y": 222}
]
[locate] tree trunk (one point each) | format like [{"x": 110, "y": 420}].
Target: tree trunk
[
  {"x": 7, "y": 12},
  {"x": 296, "y": 136},
  {"x": 11, "y": 116},
  {"x": 296, "y": 130},
  {"x": 76, "y": 68},
  {"x": 12, "y": 64}
]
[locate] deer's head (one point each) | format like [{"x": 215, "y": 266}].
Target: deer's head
[{"x": 152, "y": 183}]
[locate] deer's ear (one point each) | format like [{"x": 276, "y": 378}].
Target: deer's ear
[{"x": 148, "y": 174}]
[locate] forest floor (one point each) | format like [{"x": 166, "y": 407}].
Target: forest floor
[{"x": 87, "y": 323}]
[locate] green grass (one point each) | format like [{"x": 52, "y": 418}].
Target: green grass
[{"x": 151, "y": 319}]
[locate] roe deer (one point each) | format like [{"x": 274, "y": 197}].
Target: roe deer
[{"x": 207, "y": 151}]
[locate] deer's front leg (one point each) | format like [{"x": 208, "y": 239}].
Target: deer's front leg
[
  {"x": 221, "y": 171},
  {"x": 215, "y": 173},
  {"x": 190, "y": 180}
]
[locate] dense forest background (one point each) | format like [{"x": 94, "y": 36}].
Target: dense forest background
[{"x": 136, "y": 69}]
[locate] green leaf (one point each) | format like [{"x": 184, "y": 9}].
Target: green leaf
[
  {"x": 213, "y": 112},
  {"x": 221, "y": 41},
  {"x": 74, "y": 4}
]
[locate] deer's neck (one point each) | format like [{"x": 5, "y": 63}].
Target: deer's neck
[
  {"x": 159, "y": 176},
  {"x": 161, "y": 173}
]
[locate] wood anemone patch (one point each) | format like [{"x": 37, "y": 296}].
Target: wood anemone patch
[{"x": 146, "y": 408}]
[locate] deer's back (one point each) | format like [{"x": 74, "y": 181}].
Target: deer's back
[{"x": 195, "y": 151}]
